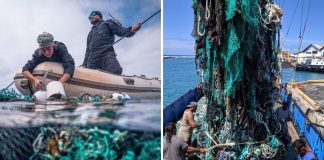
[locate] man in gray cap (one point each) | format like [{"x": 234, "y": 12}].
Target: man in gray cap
[
  {"x": 53, "y": 51},
  {"x": 100, "y": 53},
  {"x": 188, "y": 123}
]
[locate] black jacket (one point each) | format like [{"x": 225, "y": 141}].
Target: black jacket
[
  {"x": 60, "y": 55},
  {"x": 100, "y": 43}
]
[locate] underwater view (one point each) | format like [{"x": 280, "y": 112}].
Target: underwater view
[{"x": 94, "y": 130}]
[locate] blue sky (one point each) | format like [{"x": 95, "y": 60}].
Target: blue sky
[{"x": 178, "y": 24}]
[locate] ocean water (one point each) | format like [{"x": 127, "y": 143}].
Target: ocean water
[
  {"x": 180, "y": 75},
  {"x": 129, "y": 130}
]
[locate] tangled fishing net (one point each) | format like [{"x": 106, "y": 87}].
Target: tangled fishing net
[
  {"x": 72, "y": 142},
  {"x": 7, "y": 94},
  {"x": 236, "y": 54}
]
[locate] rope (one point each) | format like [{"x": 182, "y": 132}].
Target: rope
[
  {"x": 198, "y": 27},
  {"x": 302, "y": 37},
  {"x": 301, "y": 25},
  {"x": 290, "y": 24},
  {"x": 10, "y": 84},
  {"x": 209, "y": 136},
  {"x": 220, "y": 145},
  {"x": 207, "y": 11}
]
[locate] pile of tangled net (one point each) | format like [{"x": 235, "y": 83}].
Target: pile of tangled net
[
  {"x": 93, "y": 143},
  {"x": 7, "y": 94},
  {"x": 236, "y": 56}
]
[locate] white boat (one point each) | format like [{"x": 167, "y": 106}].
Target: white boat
[
  {"x": 317, "y": 62},
  {"x": 92, "y": 82}
]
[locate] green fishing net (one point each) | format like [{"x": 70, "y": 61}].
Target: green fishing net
[
  {"x": 7, "y": 94},
  {"x": 92, "y": 143}
]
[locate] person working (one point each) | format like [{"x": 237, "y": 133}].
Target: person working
[
  {"x": 53, "y": 51},
  {"x": 188, "y": 123},
  {"x": 174, "y": 147},
  {"x": 100, "y": 53},
  {"x": 283, "y": 116},
  {"x": 304, "y": 152}
]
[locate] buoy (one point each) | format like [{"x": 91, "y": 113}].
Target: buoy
[
  {"x": 121, "y": 96},
  {"x": 55, "y": 90},
  {"x": 39, "y": 96}
]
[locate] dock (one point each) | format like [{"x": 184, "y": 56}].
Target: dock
[{"x": 310, "y": 68}]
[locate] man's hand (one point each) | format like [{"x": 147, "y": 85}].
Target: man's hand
[
  {"x": 202, "y": 150},
  {"x": 197, "y": 124},
  {"x": 65, "y": 78},
  {"x": 136, "y": 27},
  {"x": 38, "y": 83},
  {"x": 33, "y": 79}
]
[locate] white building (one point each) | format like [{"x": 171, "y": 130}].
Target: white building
[{"x": 313, "y": 51}]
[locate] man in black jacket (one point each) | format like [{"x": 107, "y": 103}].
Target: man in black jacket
[
  {"x": 53, "y": 51},
  {"x": 100, "y": 53}
]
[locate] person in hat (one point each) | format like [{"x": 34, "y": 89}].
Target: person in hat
[
  {"x": 174, "y": 148},
  {"x": 100, "y": 53},
  {"x": 53, "y": 51},
  {"x": 304, "y": 151},
  {"x": 188, "y": 123}
]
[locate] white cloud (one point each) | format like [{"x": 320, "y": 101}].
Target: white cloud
[
  {"x": 22, "y": 21},
  {"x": 179, "y": 44},
  {"x": 293, "y": 44},
  {"x": 143, "y": 58}
]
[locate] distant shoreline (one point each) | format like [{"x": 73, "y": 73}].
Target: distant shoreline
[{"x": 177, "y": 56}]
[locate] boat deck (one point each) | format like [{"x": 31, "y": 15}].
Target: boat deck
[
  {"x": 309, "y": 97},
  {"x": 315, "y": 91}
]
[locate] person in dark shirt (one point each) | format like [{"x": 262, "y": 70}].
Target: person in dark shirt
[
  {"x": 53, "y": 51},
  {"x": 174, "y": 148},
  {"x": 100, "y": 53}
]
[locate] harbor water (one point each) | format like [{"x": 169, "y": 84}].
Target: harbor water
[{"x": 180, "y": 75}]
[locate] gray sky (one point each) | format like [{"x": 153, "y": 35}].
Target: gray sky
[{"x": 22, "y": 21}]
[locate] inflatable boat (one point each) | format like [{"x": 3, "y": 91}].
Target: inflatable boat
[{"x": 92, "y": 82}]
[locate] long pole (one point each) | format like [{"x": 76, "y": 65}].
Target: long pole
[{"x": 141, "y": 24}]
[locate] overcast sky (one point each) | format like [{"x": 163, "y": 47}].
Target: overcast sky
[{"x": 22, "y": 21}]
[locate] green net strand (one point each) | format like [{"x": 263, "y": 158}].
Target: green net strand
[
  {"x": 231, "y": 9},
  {"x": 249, "y": 11}
]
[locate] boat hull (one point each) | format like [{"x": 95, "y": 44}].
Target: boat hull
[
  {"x": 92, "y": 82},
  {"x": 307, "y": 106}
]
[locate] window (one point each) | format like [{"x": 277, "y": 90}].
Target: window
[
  {"x": 308, "y": 52},
  {"x": 314, "y": 52}
]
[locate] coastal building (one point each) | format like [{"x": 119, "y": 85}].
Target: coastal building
[
  {"x": 285, "y": 56},
  {"x": 313, "y": 51}
]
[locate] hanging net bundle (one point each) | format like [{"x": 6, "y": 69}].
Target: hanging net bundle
[{"x": 236, "y": 56}]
